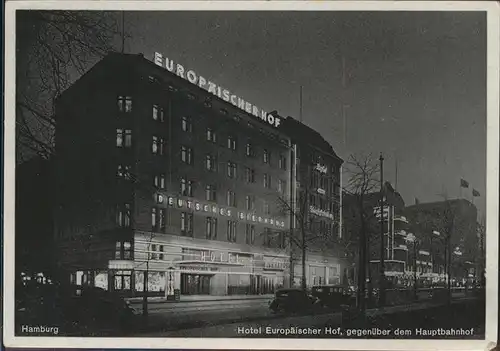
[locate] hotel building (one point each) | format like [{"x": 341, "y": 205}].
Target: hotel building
[
  {"x": 317, "y": 200},
  {"x": 159, "y": 171}
]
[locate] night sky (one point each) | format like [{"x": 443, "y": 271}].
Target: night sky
[{"x": 415, "y": 82}]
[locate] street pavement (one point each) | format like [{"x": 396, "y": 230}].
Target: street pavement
[{"x": 213, "y": 318}]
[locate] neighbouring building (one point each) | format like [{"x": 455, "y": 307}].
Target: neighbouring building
[
  {"x": 161, "y": 171},
  {"x": 448, "y": 231},
  {"x": 317, "y": 200}
]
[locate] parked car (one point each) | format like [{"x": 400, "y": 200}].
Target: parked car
[
  {"x": 292, "y": 300},
  {"x": 332, "y": 296},
  {"x": 76, "y": 310}
]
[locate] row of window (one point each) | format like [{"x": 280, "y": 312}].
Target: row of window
[{"x": 158, "y": 224}]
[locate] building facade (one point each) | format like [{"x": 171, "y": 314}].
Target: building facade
[
  {"x": 447, "y": 231},
  {"x": 317, "y": 202},
  {"x": 162, "y": 172}
]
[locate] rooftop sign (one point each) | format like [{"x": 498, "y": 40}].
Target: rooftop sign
[{"x": 214, "y": 89}]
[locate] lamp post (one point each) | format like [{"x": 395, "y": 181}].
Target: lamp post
[
  {"x": 382, "y": 236},
  {"x": 413, "y": 240}
]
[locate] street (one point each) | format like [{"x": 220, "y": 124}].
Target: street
[{"x": 222, "y": 318}]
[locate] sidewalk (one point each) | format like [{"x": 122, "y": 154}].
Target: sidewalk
[{"x": 200, "y": 298}]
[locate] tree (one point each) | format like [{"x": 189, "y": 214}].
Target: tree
[
  {"x": 312, "y": 228},
  {"x": 361, "y": 174},
  {"x": 53, "y": 49}
]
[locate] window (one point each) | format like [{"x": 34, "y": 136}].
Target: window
[
  {"x": 210, "y": 193},
  {"x": 187, "y": 224},
  {"x": 250, "y": 175},
  {"x": 211, "y": 228},
  {"x": 123, "y": 250},
  {"x": 281, "y": 186},
  {"x": 231, "y": 198},
  {"x": 281, "y": 240},
  {"x": 267, "y": 237},
  {"x": 231, "y": 231},
  {"x": 267, "y": 156},
  {"x": 267, "y": 209},
  {"x": 124, "y": 104},
  {"x": 159, "y": 181},
  {"x": 158, "y": 113},
  {"x": 282, "y": 162},
  {"x": 249, "y": 149},
  {"x": 231, "y": 169},
  {"x": 123, "y": 171},
  {"x": 123, "y": 138},
  {"x": 123, "y": 215},
  {"x": 231, "y": 142},
  {"x": 211, "y": 163},
  {"x": 186, "y": 124},
  {"x": 158, "y": 219},
  {"x": 187, "y": 155},
  {"x": 158, "y": 146},
  {"x": 249, "y": 202},
  {"x": 122, "y": 280},
  {"x": 267, "y": 181},
  {"x": 211, "y": 136},
  {"x": 250, "y": 234},
  {"x": 186, "y": 187}
]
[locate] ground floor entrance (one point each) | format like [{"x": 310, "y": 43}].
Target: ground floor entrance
[{"x": 195, "y": 284}]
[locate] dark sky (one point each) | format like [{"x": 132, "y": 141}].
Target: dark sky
[{"x": 415, "y": 86}]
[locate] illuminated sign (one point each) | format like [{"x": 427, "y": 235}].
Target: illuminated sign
[
  {"x": 321, "y": 213},
  {"x": 273, "y": 263},
  {"x": 321, "y": 191},
  {"x": 321, "y": 168},
  {"x": 214, "y": 89},
  {"x": 221, "y": 211}
]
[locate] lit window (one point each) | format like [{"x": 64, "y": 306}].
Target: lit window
[
  {"x": 249, "y": 149},
  {"x": 281, "y": 186},
  {"x": 159, "y": 181},
  {"x": 211, "y": 163},
  {"x": 267, "y": 156},
  {"x": 231, "y": 142},
  {"x": 187, "y": 224},
  {"x": 250, "y": 175},
  {"x": 158, "y": 145},
  {"x": 250, "y": 234},
  {"x": 186, "y": 124},
  {"x": 231, "y": 198},
  {"x": 231, "y": 231},
  {"x": 231, "y": 170},
  {"x": 267, "y": 209},
  {"x": 123, "y": 215},
  {"x": 158, "y": 113},
  {"x": 267, "y": 181},
  {"x": 124, "y": 104},
  {"x": 249, "y": 202},
  {"x": 210, "y": 193},
  {"x": 211, "y": 228},
  {"x": 186, "y": 187},
  {"x": 158, "y": 219},
  {"x": 187, "y": 155},
  {"x": 211, "y": 136}
]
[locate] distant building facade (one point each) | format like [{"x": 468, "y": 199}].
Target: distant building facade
[{"x": 160, "y": 175}]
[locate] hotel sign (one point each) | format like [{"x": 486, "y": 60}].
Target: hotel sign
[
  {"x": 215, "y": 89},
  {"x": 221, "y": 211},
  {"x": 273, "y": 263},
  {"x": 321, "y": 213}
]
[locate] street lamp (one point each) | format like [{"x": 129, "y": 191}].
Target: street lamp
[{"x": 413, "y": 240}]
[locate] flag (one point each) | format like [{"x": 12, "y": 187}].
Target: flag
[
  {"x": 464, "y": 183},
  {"x": 475, "y": 193}
]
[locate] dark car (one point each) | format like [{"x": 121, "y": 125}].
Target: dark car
[
  {"x": 76, "y": 310},
  {"x": 332, "y": 296},
  {"x": 292, "y": 300}
]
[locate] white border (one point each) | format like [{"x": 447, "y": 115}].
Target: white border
[{"x": 210, "y": 343}]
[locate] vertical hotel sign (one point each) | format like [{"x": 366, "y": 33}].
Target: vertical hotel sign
[{"x": 215, "y": 89}]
